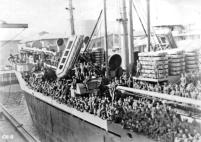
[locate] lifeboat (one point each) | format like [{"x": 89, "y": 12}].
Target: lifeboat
[{"x": 69, "y": 55}]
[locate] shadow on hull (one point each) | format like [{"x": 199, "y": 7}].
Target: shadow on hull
[{"x": 54, "y": 125}]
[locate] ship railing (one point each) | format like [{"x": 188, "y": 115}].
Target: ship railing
[
  {"x": 95, "y": 120},
  {"x": 51, "y": 64},
  {"x": 164, "y": 96}
]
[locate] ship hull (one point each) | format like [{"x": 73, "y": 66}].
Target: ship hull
[{"x": 55, "y": 125}]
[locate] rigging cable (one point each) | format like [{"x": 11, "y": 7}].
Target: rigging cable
[
  {"x": 140, "y": 19},
  {"x": 155, "y": 40}
]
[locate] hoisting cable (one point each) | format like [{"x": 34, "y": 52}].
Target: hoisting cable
[
  {"x": 140, "y": 19},
  {"x": 94, "y": 29}
]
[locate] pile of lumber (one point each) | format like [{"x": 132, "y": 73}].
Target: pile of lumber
[{"x": 154, "y": 65}]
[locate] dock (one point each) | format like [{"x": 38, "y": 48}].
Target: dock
[{"x": 12, "y": 130}]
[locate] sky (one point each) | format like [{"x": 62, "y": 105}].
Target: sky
[{"x": 51, "y": 16}]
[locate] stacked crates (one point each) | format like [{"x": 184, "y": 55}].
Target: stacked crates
[
  {"x": 154, "y": 65},
  {"x": 191, "y": 60},
  {"x": 198, "y": 58},
  {"x": 98, "y": 55},
  {"x": 176, "y": 63}
]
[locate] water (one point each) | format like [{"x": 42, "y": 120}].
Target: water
[{"x": 12, "y": 98}]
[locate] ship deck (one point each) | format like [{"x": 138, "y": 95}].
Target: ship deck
[{"x": 108, "y": 126}]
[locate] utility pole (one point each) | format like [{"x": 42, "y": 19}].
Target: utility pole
[
  {"x": 70, "y": 8},
  {"x": 148, "y": 24},
  {"x": 131, "y": 39},
  {"x": 105, "y": 38}
]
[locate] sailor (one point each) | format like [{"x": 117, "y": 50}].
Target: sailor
[
  {"x": 103, "y": 69},
  {"x": 82, "y": 69},
  {"x": 129, "y": 80},
  {"x": 183, "y": 80},
  {"x": 86, "y": 80},
  {"x": 172, "y": 91},
  {"x": 76, "y": 69},
  {"x": 165, "y": 88},
  {"x": 156, "y": 71},
  {"x": 74, "y": 82},
  {"x": 139, "y": 68},
  {"x": 157, "y": 87},
  {"x": 116, "y": 80}
]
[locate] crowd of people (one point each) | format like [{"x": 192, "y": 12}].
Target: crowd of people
[
  {"x": 153, "y": 118},
  {"x": 188, "y": 86}
]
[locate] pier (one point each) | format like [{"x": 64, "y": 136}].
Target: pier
[{"x": 12, "y": 129}]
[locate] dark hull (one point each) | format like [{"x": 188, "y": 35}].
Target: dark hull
[{"x": 55, "y": 125}]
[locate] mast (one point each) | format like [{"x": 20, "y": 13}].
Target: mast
[
  {"x": 148, "y": 24},
  {"x": 70, "y": 8},
  {"x": 131, "y": 39},
  {"x": 124, "y": 46},
  {"x": 105, "y": 37}
]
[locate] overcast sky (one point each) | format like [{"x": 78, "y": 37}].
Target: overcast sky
[{"x": 51, "y": 16}]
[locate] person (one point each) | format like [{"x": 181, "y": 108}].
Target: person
[
  {"x": 74, "y": 82},
  {"x": 82, "y": 69},
  {"x": 166, "y": 88},
  {"x": 183, "y": 80},
  {"x": 129, "y": 80},
  {"x": 77, "y": 73},
  {"x": 112, "y": 89},
  {"x": 139, "y": 68},
  {"x": 156, "y": 71},
  {"x": 157, "y": 87},
  {"x": 86, "y": 80}
]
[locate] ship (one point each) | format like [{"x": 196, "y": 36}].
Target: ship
[{"x": 57, "y": 122}]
